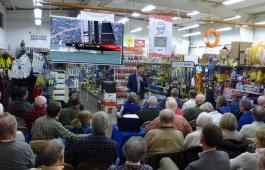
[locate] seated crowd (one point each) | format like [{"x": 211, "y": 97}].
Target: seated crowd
[{"x": 193, "y": 135}]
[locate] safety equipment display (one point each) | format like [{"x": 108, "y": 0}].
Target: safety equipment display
[{"x": 206, "y": 39}]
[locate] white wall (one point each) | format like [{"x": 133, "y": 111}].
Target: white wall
[{"x": 2, "y": 31}]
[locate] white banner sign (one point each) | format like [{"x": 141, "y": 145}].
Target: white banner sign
[
  {"x": 160, "y": 36},
  {"x": 94, "y": 16},
  {"x": 182, "y": 47}
]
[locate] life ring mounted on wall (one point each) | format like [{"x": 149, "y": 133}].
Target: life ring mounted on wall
[{"x": 217, "y": 38}]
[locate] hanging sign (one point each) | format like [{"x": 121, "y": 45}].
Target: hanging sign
[
  {"x": 96, "y": 16},
  {"x": 139, "y": 43},
  {"x": 160, "y": 36}
]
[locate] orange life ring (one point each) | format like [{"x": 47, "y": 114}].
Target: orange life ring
[{"x": 216, "y": 41}]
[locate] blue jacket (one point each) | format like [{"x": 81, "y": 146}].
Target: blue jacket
[
  {"x": 131, "y": 108},
  {"x": 234, "y": 105},
  {"x": 132, "y": 84},
  {"x": 224, "y": 109},
  {"x": 246, "y": 118}
]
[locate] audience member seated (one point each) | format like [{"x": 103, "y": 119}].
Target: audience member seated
[
  {"x": 210, "y": 158},
  {"x": 172, "y": 105},
  {"x": 248, "y": 132},
  {"x": 151, "y": 112},
  {"x": 47, "y": 127},
  {"x": 191, "y": 103},
  {"x": 165, "y": 139},
  {"x": 134, "y": 151},
  {"x": 174, "y": 94},
  {"x": 130, "y": 106},
  {"x": 39, "y": 110},
  {"x": 51, "y": 156},
  {"x": 191, "y": 114},
  {"x": 81, "y": 125},
  {"x": 208, "y": 108},
  {"x": 96, "y": 147},
  {"x": 193, "y": 138},
  {"x": 251, "y": 161},
  {"x": 167, "y": 164},
  {"x": 14, "y": 155},
  {"x": 261, "y": 101},
  {"x": 69, "y": 114},
  {"x": 245, "y": 109},
  {"x": 73, "y": 94},
  {"x": 19, "y": 106},
  {"x": 234, "y": 105},
  {"x": 221, "y": 105},
  {"x": 228, "y": 125},
  {"x": 180, "y": 123}
]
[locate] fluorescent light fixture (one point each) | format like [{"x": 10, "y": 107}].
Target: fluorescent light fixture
[
  {"x": 123, "y": 20},
  {"x": 231, "y": 2},
  {"x": 136, "y": 30},
  {"x": 38, "y": 22},
  {"x": 176, "y": 18},
  {"x": 260, "y": 23},
  {"x": 37, "y": 13},
  {"x": 148, "y": 8},
  {"x": 193, "y": 13},
  {"x": 192, "y": 34},
  {"x": 224, "y": 29},
  {"x": 135, "y": 14},
  {"x": 189, "y": 27},
  {"x": 233, "y": 18},
  {"x": 36, "y": 2},
  {"x": 147, "y": 26}
]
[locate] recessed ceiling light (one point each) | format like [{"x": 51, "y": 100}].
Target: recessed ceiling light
[
  {"x": 38, "y": 22},
  {"x": 135, "y": 14},
  {"x": 148, "y": 8},
  {"x": 192, "y": 34},
  {"x": 224, "y": 29},
  {"x": 260, "y": 23},
  {"x": 189, "y": 27},
  {"x": 193, "y": 13},
  {"x": 123, "y": 20},
  {"x": 37, "y": 13},
  {"x": 136, "y": 30},
  {"x": 231, "y": 2},
  {"x": 232, "y": 18}
]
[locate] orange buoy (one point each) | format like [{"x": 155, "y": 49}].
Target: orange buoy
[{"x": 216, "y": 41}]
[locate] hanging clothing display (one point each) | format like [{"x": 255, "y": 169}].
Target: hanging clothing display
[
  {"x": 21, "y": 67},
  {"x": 37, "y": 63}
]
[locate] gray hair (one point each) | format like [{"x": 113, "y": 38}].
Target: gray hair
[
  {"x": 132, "y": 97},
  {"x": 135, "y": 149},
  {"x": 258, "y": 113},
  {"x": 166, "y": 116},
  {"x": 172, "y": 105},
  {"x": 261, "y": 100},
  {"x": 246, "y": 104},
  {"x": 51, "y": 152},
  {"x": 204, "y": 119},
  {"x": 174, "y": 92},
  {"x": 152, "y": 101},
  {"x": 200, "y": 99},
  {"x": 100, "y": 121},
  {"x": 207, "y": 107},
  {"x": 7, "y": 124}
]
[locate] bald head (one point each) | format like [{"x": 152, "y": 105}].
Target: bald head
[
  {"x": 166, "y": 117},
  {"x": 172, "y": 105},
  {"x": 8, "y": 127},
  {"x": 40, "y": 101},
  {"x": 200, "y": 99},
  {"x": 261, "y": 101},
  {"x": 100, "y": 121},
  {"x": 258, "y": 113}
]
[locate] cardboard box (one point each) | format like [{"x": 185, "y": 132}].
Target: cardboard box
[{"x": 237, "y": 47}]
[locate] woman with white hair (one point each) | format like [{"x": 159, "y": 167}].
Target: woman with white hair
[
  {"x": 193, "y": 138},
  {"x": 208, "y": 108},
  {"x": 173, "y": 105}
]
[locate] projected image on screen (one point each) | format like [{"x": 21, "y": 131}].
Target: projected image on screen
[
  {"x": 74, "y": 40},
  {"x": 160, "y": 42}
]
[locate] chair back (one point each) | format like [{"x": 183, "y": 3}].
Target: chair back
[{"x": 93, "y": 166}]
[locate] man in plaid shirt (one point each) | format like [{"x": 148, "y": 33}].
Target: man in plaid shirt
[
  {"x": 96, "y": 147},
  {"x": 69, "y": 114}
]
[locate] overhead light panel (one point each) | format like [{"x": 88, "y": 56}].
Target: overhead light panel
[
  {"x": 189, "y": 27},
  {"x": 37, "y": 13},
  {"x": 136, "y": 30},
  {"x": 231, "y": 2},
  {"x": 233, "y": 18},
  {"x": 123, "y": 20},
  {"x": 193, "y": 13},
  {"x": 38, "y": 22},
  {"x": 192, "y": 34},
  {"x": 260, "y": 23},
  {"x": 176, "y": 18},
  {"x": 135, "y": 14},
  {"x": 37, "y": 2},
  {"x": 148, "y": 8},
  {"x": 224, "y": 29}
]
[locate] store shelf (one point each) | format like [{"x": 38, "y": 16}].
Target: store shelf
[
  {"x": 156, "y": 63},
  {"x": 249, "y": 92}
]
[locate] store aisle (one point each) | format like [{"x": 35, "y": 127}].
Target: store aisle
[{"x": 90, "y": 103}]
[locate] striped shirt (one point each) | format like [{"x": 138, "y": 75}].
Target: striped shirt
[
  {"x": 67, "y": 115},
  {"x": 47, "y": 128}
]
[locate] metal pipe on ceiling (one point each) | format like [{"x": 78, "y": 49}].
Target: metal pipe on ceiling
[{"x": 209, "y": 20}]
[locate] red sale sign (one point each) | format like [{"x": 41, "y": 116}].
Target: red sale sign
[{"x": 139, "y": 43}]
